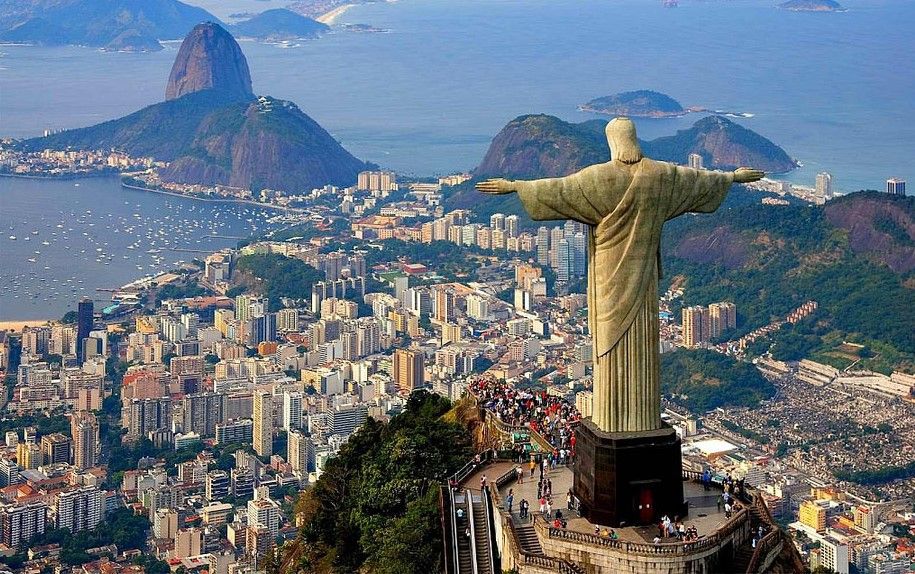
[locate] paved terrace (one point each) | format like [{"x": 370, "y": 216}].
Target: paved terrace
[{"x": 703, "y": 508}]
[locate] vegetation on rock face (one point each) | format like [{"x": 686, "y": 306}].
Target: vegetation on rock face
[
  {"x": 705, "y": 380},
  {"x": 375, "y": 507},
  {"x": 280, "y": 276},
  {"x": 770, "y": 260}
]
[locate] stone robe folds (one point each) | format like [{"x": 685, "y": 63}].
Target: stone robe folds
[{"x": 625, "y": 207}]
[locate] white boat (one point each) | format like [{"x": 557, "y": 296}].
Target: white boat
[
  {"x": 12, "y": 238},
  {"x": 31, "y": 260}
]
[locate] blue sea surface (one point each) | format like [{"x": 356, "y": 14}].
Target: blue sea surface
[{"x": 427, "y": 96}]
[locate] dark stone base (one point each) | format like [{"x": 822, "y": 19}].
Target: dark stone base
[{"x": 628, "y": 479}]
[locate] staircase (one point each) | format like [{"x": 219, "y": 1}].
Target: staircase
[
  {"x": 527, "y": 539},
  {"x": 483, "y": 548},
  {"x": 742, "y": 559}
]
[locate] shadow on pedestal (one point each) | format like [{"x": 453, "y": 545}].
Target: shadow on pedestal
[{"x": 628, "y": 478}]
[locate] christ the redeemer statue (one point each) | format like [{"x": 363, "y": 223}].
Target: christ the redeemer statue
[{"x": 625, "y": 202}]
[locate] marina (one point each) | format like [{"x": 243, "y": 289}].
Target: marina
[{"x": 61, "y": 242}]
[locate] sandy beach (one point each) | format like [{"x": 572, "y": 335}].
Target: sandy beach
[
  {"x": 17, "y": 326},
  {"x": 329, "y": 17}
]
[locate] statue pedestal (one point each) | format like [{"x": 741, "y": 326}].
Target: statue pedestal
[{"x": 628, "y": 478}]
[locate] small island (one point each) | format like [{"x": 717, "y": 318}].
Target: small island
[
  {"x": 636, "y": 104},
  {"x": 812, "y": 6}
]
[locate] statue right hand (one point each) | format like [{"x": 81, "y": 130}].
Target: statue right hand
[
  {"x": 497, "y": 186},
  {"x": 748, "y": 175}
]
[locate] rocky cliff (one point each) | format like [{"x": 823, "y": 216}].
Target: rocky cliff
[{"x": 209, "y": 58}]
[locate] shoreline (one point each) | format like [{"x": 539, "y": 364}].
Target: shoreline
[
  {"x": 330, "y": 17},
  {"x": 59, "y": 177},
  {"x": 196, "y": 198},
  {"x": 16, "y": 326}
]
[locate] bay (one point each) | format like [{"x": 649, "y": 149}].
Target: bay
[
  {"x": 427, "y": 96},
  {"x": 73, "y": 237}
]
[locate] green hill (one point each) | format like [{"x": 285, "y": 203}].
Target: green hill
[
  {"x": 705, "y": 380},
  {"x": 279, "y": 24},
  {"x": 855, "y": 256}
]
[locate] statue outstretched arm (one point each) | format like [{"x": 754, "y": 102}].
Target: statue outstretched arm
[
  {"x": 551, "y": 198},
  {"x": 703, "y": 191}
]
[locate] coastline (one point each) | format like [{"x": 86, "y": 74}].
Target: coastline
[
  {"x": 196, "y": 198},
  {"x": 329, "y": 17},
  {"x": 67, "y": 177},
  {"x": 17, "y": 326}
]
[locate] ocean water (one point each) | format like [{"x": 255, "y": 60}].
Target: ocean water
[
  {"x": 73, "y": 237},
  {"x": 426, "y": 97}
]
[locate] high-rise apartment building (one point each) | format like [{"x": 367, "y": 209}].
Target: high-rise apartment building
[
  {"x": 722, "y": 316},
  {"x": 696, "y": 326},
  {"x": 511, "y": 226},
  {"x": 84, "y": 319},
  {"x": 201, "y": 412},
  {"x": 695, "y": 161},
  {"x": 824, "y": 186},
  {"x": 376, "y": 181},
  {"x": 141, "y": 416},
  {"x": 264, "y": 513},
  {"x": 84, "y": 429},
  {"x": 543, "y": 246},
  {"x": 408, "y": 370},
  {"x": 20, "y": 523},
  {"x": 497, "y": 221},
  {"x": 79, "y": 509},
  {"x": 263, "y": 423},
  {"x": 301, "y": 452},
  {"x": 292, "y": 410},
  {"x": 895, "y": 186},
  {"x": 55, "y": 448}
]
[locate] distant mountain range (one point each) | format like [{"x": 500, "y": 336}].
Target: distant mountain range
[
  {"x": 111, "y": 24},
  {"x": 213, "y": 130},
  {"x": 133, "y": 25}
]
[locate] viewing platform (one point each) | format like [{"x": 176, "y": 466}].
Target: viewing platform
[
  {"x": 534, "y": 545},
  {"x": 748, "y": 541}
]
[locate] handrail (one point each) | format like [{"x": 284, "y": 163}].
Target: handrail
[
  {"x": 557, "y": 564},
  {"x": 488, "y": 516},
  {"x": 455, "y": 541},
  {"x": 468, "y": 498},
  {"x": 763, "y": 547},
  {"x": 675, "y": 548}
]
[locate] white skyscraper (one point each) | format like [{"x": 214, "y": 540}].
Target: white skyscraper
[
  {"x": 824, "y": 186},
  {"x": 292, "y": 410}
]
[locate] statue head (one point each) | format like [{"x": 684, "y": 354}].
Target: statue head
[{"x": 624, "y": 145}]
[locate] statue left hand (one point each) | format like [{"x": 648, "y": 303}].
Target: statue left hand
[{"x": 496, "y": 186}]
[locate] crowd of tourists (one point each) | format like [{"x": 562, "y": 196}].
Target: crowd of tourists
[{"x": 550, "y": 416}]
